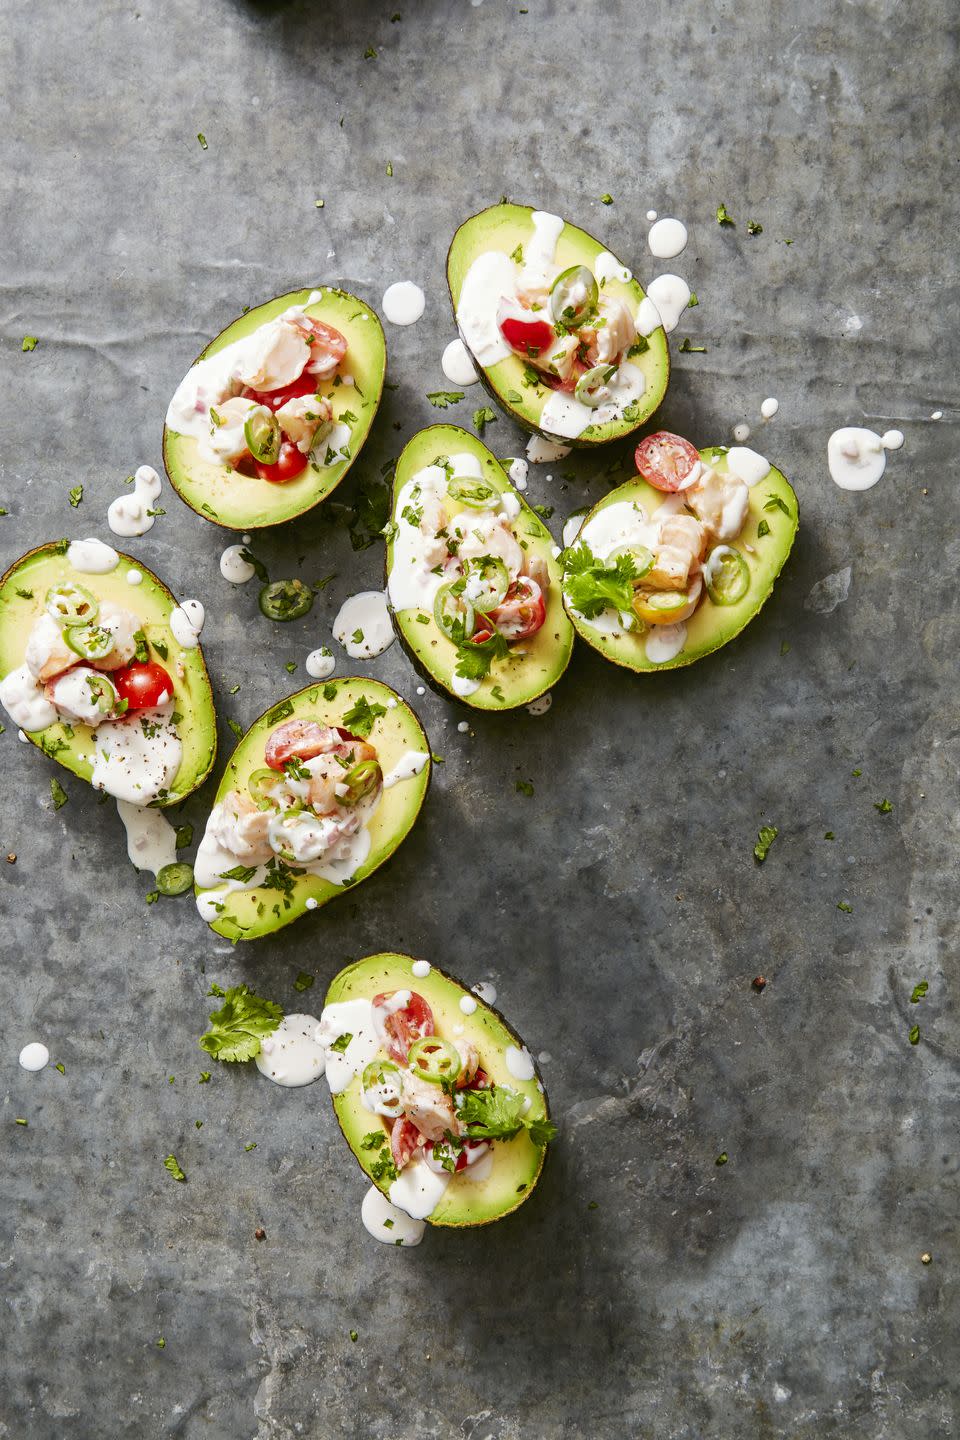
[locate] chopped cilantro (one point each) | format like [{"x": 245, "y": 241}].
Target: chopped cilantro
[
  {"x": 172, "y": 1165},
  {"x": 354, "y": 1336},
  {"x": 57, "y": 793},
  {"x": 763, "y": 528},
  {"x": 341, "y": 1042},
  {"x": 593, "y": 585},
  {"x": 290, "y": 667},
  {"x": 606, "y": 199},
  {"x": 252, "y": 1146},
  {"x": 483, "y": 417},
  {"x": 76, "y": 495},
  {"x": 360, "y": 718},
  {"x": 373, "y": 1140},
  {"x": 152, "y": 896},
  {"x": 184, "y": 836},
  {"x": 722, "y": 1158},
  {"x": 440, "y": 399},
  {"x": 765, "y": 838},
  {"x": 544, "y": 511},
  {"x": 202, "y": 139},
  {"x": 784, "y": 647},
  {"x": 525, "y": 787},
  {"x": 884, "y": 806},
  {"x": 279, "y": 712},
  {"x": 25, "y": 594},
  {"x": 686, "y": 348},
  {"x": 59, "y": 1066},
  {"x": 724, "y": 217},
  {"x": 914, "y": 1036},
  {"x": 774, "y": 502},
  {"x": 236, "y": 727},
  {"x": 918, "y": 992},
  {"x": 856, "y": 773},
  {"x": 303, "y": 981},
  {"x": 369, "y": 53},
  {"x": 474, "y": 659},
  {"x": 204, "y": 1077},
  {"x": 842, "y": 905},
  {"x": 319, "y": 204},
  {"x": 30, "y": 342},
  {"x": 389, "y": 169},
  {"x": 517, "y": 255},
  {"x": 330, "y": 691},
  {"x": 829, "y": 835},
  {"x": 693, "y": 302},
  {"x": 754, "y": 227}
]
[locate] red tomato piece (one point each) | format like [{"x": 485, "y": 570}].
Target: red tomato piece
[
  {"x": 273, "y": 399},
  {"x": 143, "y": 686},
  {"x": 405, "y": 1138},
  {"x": 299, "y": 740},
  {"x": 292, "y": 463},
  {"x": 528, "y": 336},
  {"x": 522, "y": 611},
  {"x": 665, "y": 460},
  {"x": 397, "y": 1028}
]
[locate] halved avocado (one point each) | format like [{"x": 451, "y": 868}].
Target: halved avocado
[
  {"x": 510, "y": 381},
  {"x": 518, "y": 1162},
  {"x": 521, "y": 678},
  {"x": 241, "y": 502},
  {"x": 774, "y": 511},
  {"x": 22, "y": 592},
  {"x": 248, "y": 914}
]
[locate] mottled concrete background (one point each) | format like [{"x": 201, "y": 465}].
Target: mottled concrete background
[{"x": 644, "y": 1291}]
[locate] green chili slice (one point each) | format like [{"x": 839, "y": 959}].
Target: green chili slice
[
  {"x": 175, "y": 879},
  {"x": 475, "y": 494},
  {"x": 728, "y": 575},
  {"x": 453, "y": 612},
  {"x": 261, "y": 783},
  {"x": 487, "y": 583},
  {"x": 92, "y": 642},
  {"x": 71, "y": 604},
  {"x": 261, "y": 430},
  {"x": 361, "y": 781},
  {"x": 285, "y": 600},
  {"x": 574, "y": 296},
  {"x": 435, "y": 1060},
  {"x": 591, "y": 385}
]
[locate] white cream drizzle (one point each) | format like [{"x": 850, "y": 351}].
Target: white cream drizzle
[
  {"x": 541, "y": 451},
  {"x": 387, "y": 1223},
  {"x": 457, "y": 365},
  {"x": 518, "y": 472},
  {"x": 129, "y": 513},
  {"x": 541, "y": 705},
  {"x": 23, "y": 699},
  {"x": 769, "y": 407},
  {"x": 667, "y": 238},
  {"x": 519, "y": 1062},
  {"x": 234, "y": 567},
  {"x": 421, "y": 968},
  {"x": 403, "y": 303},
  {"x": 353, "y": 1018},
  {"x": 363, "y": 626},
  {"x": 293, "y": 1054},
  {"x": 186, "y": 623},
  {"x": 34, "y": 1056},
  {"x": 857, "y": 457},
  {"x": 134, "y": 577},
  {"x": 320, "y": 663},
  {"x": 92, "y": 556},
  {"x": 747, "y": 465},
  {"x": 418, "y": 1190},
  {"x": 664, "y": 642},
  {"x": 137, "y": 756},
  {"x": 608, "y": 267},
  {"x": 671, "y": 296},
  {"x": 409, "y": 765},
  {"x": 151, "y": 839}
]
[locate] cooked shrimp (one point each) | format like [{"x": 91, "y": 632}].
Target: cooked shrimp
[
  {"x": 605, "y": 342},
  {"x": 47, "y": 653},
  {"x": 238, "y": 826},
  {"x": 300, "y": 740},
  {"x": 330, "y": 770},
  {"x": 327, "y": 348},
  {"x": 537, "y": 568},
  {"x": 720, "y": 502},
  {"x": 301, "y": 418},
  {"x": 123, "y": 625},
  {"x": 427, "y": 1107},
  {"x": 489, "y": 535}
]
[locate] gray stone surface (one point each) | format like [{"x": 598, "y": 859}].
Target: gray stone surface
[{"x": 643, "y": 1291}]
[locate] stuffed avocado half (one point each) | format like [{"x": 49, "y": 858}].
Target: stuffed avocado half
[
  {"x": 319, "y": 792},
  {"x": 565, "y": 339},
  {"x": 472, "y": 578},
  {"x": 100, "y": 668},
  {"x": 674, "y": 563},
  {"x": 270, "y": 417},
  {"x": 438, "y": 1099}
]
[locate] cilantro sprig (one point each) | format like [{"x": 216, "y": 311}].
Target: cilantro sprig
[
  {"x": 238, "y": 1027},
  {"x": 496, "y": 1112},
  {"x": 359, "y": 720},
  {"x": 593, "y": 585}
]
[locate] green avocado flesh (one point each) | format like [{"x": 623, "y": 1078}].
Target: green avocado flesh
[
  {"x": 522, "y": 677},
  {"x": 509, "y": 381},
  {"x": 248, "y": 914},
  {"x": 517, "y": 1162},
  {"x": 711, "y": 625},
  {"x": 34, "y": 574},
  {"x": 241, "y": 502}
]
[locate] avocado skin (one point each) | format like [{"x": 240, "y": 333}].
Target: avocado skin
[
  {"x": 514, "y": 220},
  {"x": 254, "y": 504},
  {"x": 420, "y": 451},
  {"x": 394, "y": 733},
  {"x": 515, "y": 1171},
  {"x": 46, "y": 565},
  {"x": 772, "y": 552}
]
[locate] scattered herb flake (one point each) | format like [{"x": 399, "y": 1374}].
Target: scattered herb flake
[
  {"x": 914, "y": 1034},
  {"x": 765, "y": 838},
  {"x": 354, "y": 1336},
  {"x": 30, "y": 342},
  {"x": 174, "y": 1168},
  {"x": 76, "y": 495},
  {"x": 184, "y": 836},
  {"x": 693, "y": 302},
  {"x": 525, "y": 787},
  {"x": 686, "y": 348},
  {"x": 236, "y": 727},
  {"x": 483, "y": 417},
  {"x": 842, "y": 905},
  {"x": 884, "y": 806},
  {"x": 440, "y": 399},
  {"x": 754, "y": 227},
  {"x": 252, "y": 1146},
  {"x": 918, "y": 992},
  {"x": 59, "y": 1066},
  {"x": 722, "y": 1158},
  {"x": 856, "y": 773},
  {"x": 724, "y": 217},
  {"x": 606, "y": 199},
  {"x": 369, "y": 53},
  {"x": 57, "y": 793},
  {"x": 202, "y": 139},
  {"x": 763, "y": 528},
  {"x": 204, "y": 1077},
  {"x": 389, "y": 169},
  {"x": 319, "y": 204},
  {"x": 303, "y": 981},
  {"x": 341, "y": 1042},
  {"x": 829, "y": 835},
  {"x": 290, "y": 666},
  {"x": 774, "y": 502}
]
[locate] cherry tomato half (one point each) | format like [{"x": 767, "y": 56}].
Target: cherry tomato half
[
  {"x": 143, "y": 686},
  {"x": 527, "y": 336},
  {"x": 522, "y": 610},
  {"x": 397, "y": 1029},
  {"x": 292, "y": 463},
  {"x": 665, "y": 460},
  {"x": 273, "y": 399},
  {"x": 404, "y": 1140},
  {"x": 298, "y": 740}
]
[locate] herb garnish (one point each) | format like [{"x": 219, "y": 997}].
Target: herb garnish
[
  {"x": 918, "y": 992},
  {"x": 497, "y": 1113},
  {"x": 593, "y": 585},
  {"x": 239, "y": 1025},
  {"x": 483, "y": 417},
  {"x": 359, "y": 720},
  {"x": 76, "y": 495},
  {"x": 765, "y": 838},
  {"x": 341, "y": 1042},
  {"x": 57, "y": 793},
  {"x": 724, "y": 217},
  {"x": 174, "y": 1168},
  {"x": 440, "y": 399}
]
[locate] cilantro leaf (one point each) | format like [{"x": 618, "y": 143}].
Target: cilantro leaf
[
  {"x": 774, "y": 502},
  {"x": 239, "y": 1026},
  {"x": 593, "y": 585},
  {"x": 76, "y": 495},
  {"x": 440, "y": 399},
  {"x": 723, "y": 216},
  {"x": 58, "y": 795},
  {"x": 341, "y": 1042},
  {"x": 482, "y": 417},
  {"x": 359, "y": 720},
  {"x": 30, "y": 342},
  {"x": 884, "y": 806},
  {"x": 495, "y": 1112},
  {"x": 173, "y": 1166},
  {"x": 765, "y": 838},
  {"x": 474, "y": 659},
  {"x": 914, "y": 1036},
  {"x": 919, "y": 990}
]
